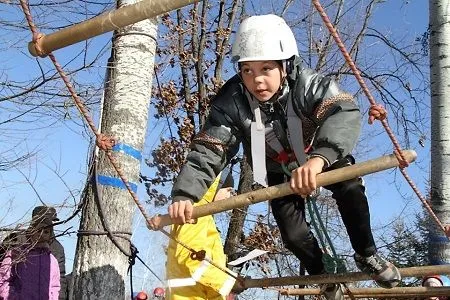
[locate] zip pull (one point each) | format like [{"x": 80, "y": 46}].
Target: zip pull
[{"x": 271, "y": 109}]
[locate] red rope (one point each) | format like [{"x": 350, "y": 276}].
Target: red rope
[
  {"x": 103, "y": 142},
  {"x": 377, "y": 113},
  {"x": 106, "y": 143}
]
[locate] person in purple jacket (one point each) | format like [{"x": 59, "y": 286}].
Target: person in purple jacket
[{"x": 31, "y": 272}]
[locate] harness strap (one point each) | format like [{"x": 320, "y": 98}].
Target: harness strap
[
  {"x": 258, "y": 141},
  {"x": 295, "y": 132},
  {"x": 272, "y": 139},
  {"x": 274, "y": 135}
]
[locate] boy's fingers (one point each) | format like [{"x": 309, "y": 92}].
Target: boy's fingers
[
  {"x": 188, "y": 210},
  {"x": 172, "y": 209},
  {"x": 180, "y": 212}
]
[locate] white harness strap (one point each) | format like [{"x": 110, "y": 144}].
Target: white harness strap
[
  {"x": 260, "y": 135},
  {"x": 258, "y": 141}
]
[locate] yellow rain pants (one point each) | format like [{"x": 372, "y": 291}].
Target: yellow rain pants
[{"x": 189, "y": 279}]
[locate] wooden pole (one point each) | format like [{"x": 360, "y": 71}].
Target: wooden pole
[
  {"x": 400, "y": 292},
  {"x": 343, "y": 277},
  {"x": 277, "y": 191},
  {"x": 106, "y": 22}
]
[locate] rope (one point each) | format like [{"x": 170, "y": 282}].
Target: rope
[
  {"x": 103, "y": 142},
  {"x": 378, "y": 113},
  {"x": 151, "y": 271},
  {"x": 131, "y": 262},
  {"x": 106, "y": 143},
  {"x": 201, "y": 255},
  {"x": 332, "y": 263}
]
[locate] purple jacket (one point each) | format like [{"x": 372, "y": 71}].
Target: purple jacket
[{"x": 36, "y": 277}]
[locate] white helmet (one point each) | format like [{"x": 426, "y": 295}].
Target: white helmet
[{"x": 266, "y": 37}]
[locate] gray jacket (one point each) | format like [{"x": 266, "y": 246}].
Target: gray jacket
[{"x": 330, "y": 120}]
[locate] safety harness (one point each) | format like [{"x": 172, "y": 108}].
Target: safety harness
[{"x": 285, "y": 142}]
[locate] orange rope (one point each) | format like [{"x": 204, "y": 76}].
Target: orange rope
[
  {"x": 377, "y": 112},
  {"x": 106, "y": 143},
  {"x": 103, "y": 142}
]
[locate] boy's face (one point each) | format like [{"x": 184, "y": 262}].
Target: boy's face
[{"x": 262, "y": 78}]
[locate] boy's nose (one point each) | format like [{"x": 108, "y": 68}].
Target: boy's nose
[{"x": 258, "y": 79}]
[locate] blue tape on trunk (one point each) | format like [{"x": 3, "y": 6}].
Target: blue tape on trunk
[
  {"x": 115, "y": 182},
  {"x": 124, "y": 148}
]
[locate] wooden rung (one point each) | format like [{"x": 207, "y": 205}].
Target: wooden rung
[
  {"x": 106, "y": 22},
  {"x": 400, "y": 292},
  {"x": 284, "y": 189},
  {"x": 345, "y": 277}
]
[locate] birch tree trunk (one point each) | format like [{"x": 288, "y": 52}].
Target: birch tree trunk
[
  {"x": 100, "y": 268},
  {"x": 439, "y": 14}
]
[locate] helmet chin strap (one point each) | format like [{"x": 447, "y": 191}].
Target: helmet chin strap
[{"x": 282, "y": 90}]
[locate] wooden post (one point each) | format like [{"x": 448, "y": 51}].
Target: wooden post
[
  {"x": 277, "y": 191},
  {"x": 105, "y": 22}
]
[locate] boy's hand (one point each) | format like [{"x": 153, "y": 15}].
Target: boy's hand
[
  {"x": 181, "y": 211},
  {"x": 303, "y": 179}
]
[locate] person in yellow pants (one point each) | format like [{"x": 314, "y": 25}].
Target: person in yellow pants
[{"x": 189, "y": 279}]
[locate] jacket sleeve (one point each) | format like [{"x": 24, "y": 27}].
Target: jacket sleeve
[
  {"x": 55, "y": 285},
  {"x": 58, "y": 251},
  {"x": 5, "y": 275},
  {"x": 335, "y": 114},
  {"x": 211, "y": 150}
]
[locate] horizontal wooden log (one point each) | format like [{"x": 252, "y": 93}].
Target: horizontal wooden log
[
  {"x": 105, "y": 22},
  {"x": 400, "y": 292},
  {"x": 344, "y": 277},
  {"x": 277, "y": 191}
]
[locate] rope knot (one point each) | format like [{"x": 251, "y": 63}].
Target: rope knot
[
  {"x": 104, "y": 142},
  {"x": 447, "y": 230},
  {"x": 37, "y": 42},
  {"x": 377, "y": 112},
  {"x": 198, "y": 255},
  {"x": 402, "y": 163},
  {"x": 132, "y": 258}
]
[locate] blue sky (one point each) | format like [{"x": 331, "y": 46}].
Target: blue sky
[{"x": 63, "y": 147}]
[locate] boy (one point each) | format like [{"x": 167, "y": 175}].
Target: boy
[{"x": 274, "y": 107}]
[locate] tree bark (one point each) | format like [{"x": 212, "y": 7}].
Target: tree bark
[
  {"x": 235, "y": 229},
  {"x": 100, "y": 268},
  {"x": 439, "y": 14}
]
